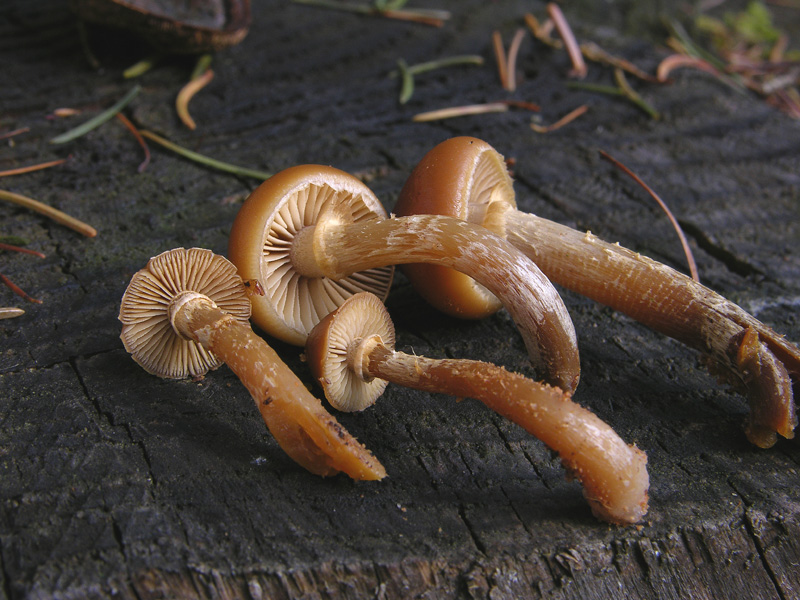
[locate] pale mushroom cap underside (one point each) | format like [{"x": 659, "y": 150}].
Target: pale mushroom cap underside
[
  {"x": 300, "y": 302},
  {"x": 335, "y": 340},
  {"x": 490, "y": 182},
  {"x": 144, "y": 312}
]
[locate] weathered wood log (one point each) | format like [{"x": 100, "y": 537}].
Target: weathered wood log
[{"x": 113, "y": 482}]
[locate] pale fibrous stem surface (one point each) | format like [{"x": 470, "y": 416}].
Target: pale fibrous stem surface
[
  {"x": 751, "y": 354},
  {"x": 336, "y": 249},
  {"x": 613, "y": 474}
]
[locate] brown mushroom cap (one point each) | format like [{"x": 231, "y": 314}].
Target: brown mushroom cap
[
  {"x": 470, "y": 174},
  {"x": 342, "y": 335},
  {"x": 260, "y": 247},
  {"x": 147, "y": 332}
]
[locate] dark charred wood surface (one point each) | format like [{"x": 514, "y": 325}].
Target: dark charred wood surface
[{"x": 114, "y": 483}]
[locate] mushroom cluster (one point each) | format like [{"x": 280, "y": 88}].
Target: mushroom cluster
[
  {"x": 351, "y": 353},
  {"x": 314, "y": 235},
  {"x": 316, "y": 250},
  {"x": 466, "y": 178},
  {"x": 187, "y": 312}
]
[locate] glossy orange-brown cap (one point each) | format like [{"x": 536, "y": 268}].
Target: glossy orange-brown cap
[{"x": 456, "y": 178}]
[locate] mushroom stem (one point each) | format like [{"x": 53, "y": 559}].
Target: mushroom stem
[
  {"x": 351, "y": 354},
  {"x": 297, "y": 420},
  {"x": 465, "y": 177},
  {"x": 669, "y": 302},
  {"x": 187, "y": 312},
  {"x": 613, "y": 474},
  {"x": 336, "y": 249}
]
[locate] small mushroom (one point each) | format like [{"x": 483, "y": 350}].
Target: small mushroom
[
  {"x": 187, "y": 312},
  {"x": 315, "y": 235},
  {"x": 351, "y": 353},
  {"x": 466, "y": 178}
]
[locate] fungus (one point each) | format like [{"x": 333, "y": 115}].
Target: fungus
[
  {"x": 187, "y": 312},
  {"x": 315, "y": 235},
  {"x": 466, "y": 178},
  {"x": 351, "y": 353}
]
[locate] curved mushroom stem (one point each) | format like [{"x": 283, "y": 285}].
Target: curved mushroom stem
[
  {"x": 336, "y": 249},
  {"x": 297, "y": 420},
  {"x": 613, "y": 474},
  {"x": 466, "y": 178},
  {"x": 764, "y": 362}
]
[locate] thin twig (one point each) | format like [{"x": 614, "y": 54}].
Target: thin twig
[
  {"x": 98, "y": 120},
  {"x": 205, "y": 160},
  {"x": 677, "y": 61},
  {"x": 9, "y": 134},
  {"x": 406, "y": 81},
  {"x": 48, "y": 211},
  {"x": 32, "y": 168},
  {"x": 633, "y": 95},
  {"x": 523, "y": 104},
  {"x": 592, "y": 51},
  {"x": 143, "y": 66},
  {"x": 579, "y": 69},
  {"x": 500, "y": 57},
  {"x": 460, "y": 111},
  {"x": 13, "y": 248},
  {"x": 613, "y": 90},
  {"x": 65, "y": 112},
  {"x": 542, "y": 32},
  {"x": 201, "y": 66},
  {"x": 9, "y": 312},
  {"x": 513, "y": 52},
  {"x": 568, "y": 118},
  {"x": 684, "y": 242},
  {"x": 145, "y": 148},
  {"x": 18, "y": 290},
  {"x": 424, "y": 16},
  {"x": 186, "y": 94},
  {"x": 408, "y": 72}
]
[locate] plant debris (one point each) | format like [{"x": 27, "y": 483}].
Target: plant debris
[
  {"x": 98, "y": 120},
  {"x": 747, "y": 52},
  {"x": 50, "y": 212},
  {"x": 579, "y": 69},
  {"x": 566, "y": 119},
  {"x": 684, "y": 242},
  {"x": 32, "y": 168},
  {"x": 132, "y": 128},
  {"x": 205, "y": 160},
  {"x": 10, "y": 312},
  {"x": 473, "y": 109},
  {"x": 507, "y": 65},
  {"x": 407, "y": 72},
  {"x": 391, "y": 9},
  {"x": 187, "y": 93}
]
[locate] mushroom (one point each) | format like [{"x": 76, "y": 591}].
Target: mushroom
[
  {"x": 351, "y": 353},
  {"x": 187, "y": 312},
  {"x": 315, "y": 235},
  {"x": 466, "y": 178}
]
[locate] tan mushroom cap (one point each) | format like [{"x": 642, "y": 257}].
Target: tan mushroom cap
[
  {"x": 147, "y": 332},
  {"x": 260, "y": 247},
  {"x": 348, "y": 333},
  {"x": 470, "y": 174}
]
